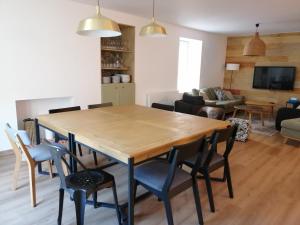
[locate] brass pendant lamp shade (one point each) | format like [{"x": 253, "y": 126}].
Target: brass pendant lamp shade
[
  {"x": 256, "y": 46},
  {"x": 153, "y": 29},
  {"x": 98, "y": 26}
]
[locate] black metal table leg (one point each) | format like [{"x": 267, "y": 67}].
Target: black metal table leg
[
  {"x": 130, "y": 192},
  {"x": 72, "y": 148},
  {"x": 38, "y": 141}
]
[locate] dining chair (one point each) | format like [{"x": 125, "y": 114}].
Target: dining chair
[
  {"x": 165, "y": 179},
  {"x": 81, "y": 185},
  {"x": 163, "y": 106},
  {"x": 24, "y": 150},
  {"x": 212, "y": 160},
  {"x": 212, "y": 112},
  {"x": 60, "y": 110},
  {"x": 95, "y": 106}
]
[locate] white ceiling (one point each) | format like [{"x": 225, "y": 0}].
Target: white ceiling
[{"x": 230, "y": 17}]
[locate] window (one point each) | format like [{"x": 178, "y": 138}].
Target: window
[{"x": 189, "y": 64}]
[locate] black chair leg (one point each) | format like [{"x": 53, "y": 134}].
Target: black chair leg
[
  {"x": 168, "y": 209},
  {"x": 209, "y": 191},
  {"x": 61, "y": 205},
  {"x": 197, "y": 201},
  {"x": 95, "y": 196},
  {"x": 228, "y": 178},
  {"x": 95, "y": 158},
  {"x": 79, "y": 149},
  {"x": 80, "y": 201},
  {"x": 116, "y": 202}
]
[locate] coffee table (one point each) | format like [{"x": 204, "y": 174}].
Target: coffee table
[
  {"x": 268, "y": 107},
  {"x": 250, "y": 110}
]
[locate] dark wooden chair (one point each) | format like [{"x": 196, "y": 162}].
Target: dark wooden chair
[
  {"x": 212, "y": 112},
  {"x": 95, "y": 106},
  {"x": 212, "y": 160},
  {"x": 163, "y": 106},
  {"x": 60, "y": 110},
  {"x": 165, "y": 179},
  {"x": 81, "y": 185}
]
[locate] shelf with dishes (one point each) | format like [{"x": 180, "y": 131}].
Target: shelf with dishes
[
  {"x": 117, "y": 78},
  {"x": 115, "y": 49},
  {"x": 115, "y": 68}
]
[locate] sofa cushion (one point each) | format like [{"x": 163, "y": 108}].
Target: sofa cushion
[
  {"x": 210, "y": 93},
  {"x": 221, "y": 96},
  {"x": 184, "y": 107},
  {"x": 229, "y": 95},
  {"x": 195, "y": 100},
  {"x": 293, "y": 124},
  {"x": 228, "y": 103}
]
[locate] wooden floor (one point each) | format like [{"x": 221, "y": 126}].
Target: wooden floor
[{"x": 266, "y": 181}]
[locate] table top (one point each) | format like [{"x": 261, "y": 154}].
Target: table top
[
  {"x": 259, "y": 103},
  {"x": 124, "y": 132}
]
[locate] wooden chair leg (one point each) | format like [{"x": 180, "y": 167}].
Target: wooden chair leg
[
  {"x": 197, "y": 201},
  {"x": 168, "y": 209},
  {"x": 31, "y": 168},
  {"x": 16, "y": 173},
  {"x": 262, "y": 119},
  {"x": 209, "y": 191},
  {"x": 228, "y": 178},
  {"x": 80, "y": 201},
  {"x": 61, "y": 205},
  {"x": 50, "y": 168}
]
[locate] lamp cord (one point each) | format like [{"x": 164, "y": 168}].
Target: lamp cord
[{"x": 153, "y": 9}]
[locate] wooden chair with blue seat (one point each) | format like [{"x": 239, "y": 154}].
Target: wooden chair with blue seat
[
  {"x": 165, "y": 179},
  {"x": 212, "y": 160},
  {"x": 33, "y": 154},
  {"x": 81, "y": 185}
]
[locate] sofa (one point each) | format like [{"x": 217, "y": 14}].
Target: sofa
[
  {"x": 290, "y": 129},
  {"x": 286, "y": 114},
  {"x": 227, "y": 101},
  {"x": 189, "y": 104}
]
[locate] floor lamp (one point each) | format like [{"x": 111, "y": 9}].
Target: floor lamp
[{"x": 232, "y": 67}]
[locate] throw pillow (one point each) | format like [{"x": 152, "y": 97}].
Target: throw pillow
[
  {"x": 243, "y": 128},
  {"x": 298, "y": 107},
  {"x": 204, "y": 95},
  {"x": 195, "y": 92},
  {"x": 220, "y": 94},
  {"x": 229, "y": 95}
]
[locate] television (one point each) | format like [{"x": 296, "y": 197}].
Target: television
[{"x": 274, "y": 77}]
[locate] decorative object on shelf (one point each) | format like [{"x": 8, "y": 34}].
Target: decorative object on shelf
[
  {"x": 232, "y": 67},
  {"x": 106, "y": 80},
  {"x": 153, "y": 29},
  {"x": 116, "y": 79},
  {"x": 125, "y": 78},
  {"x": 98, "y": 26},
  {"x": 256, "y": 46}
]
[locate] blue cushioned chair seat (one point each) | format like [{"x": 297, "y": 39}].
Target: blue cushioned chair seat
[
  {"x": 40, "y": 152},
  {"x": 154, "y": 173}
]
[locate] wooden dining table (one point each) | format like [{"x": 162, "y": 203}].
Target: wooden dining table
[{"x": 129, "y": 134}]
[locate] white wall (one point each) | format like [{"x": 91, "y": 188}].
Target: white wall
[{"x": 42, "y": 57}]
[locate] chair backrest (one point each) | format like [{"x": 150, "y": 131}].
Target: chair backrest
[
  {"x": 18, "y": 144},
  {"x": 95, "y": 106},
  {"x": 68, "y": 109},
  {"x": 213, "y": 112},
  {"x": 226, "y": 135},
  {"x": 181, "y": 153},
  {"x": 163, "y": 106},
  {"x": 58, "y": 153}
]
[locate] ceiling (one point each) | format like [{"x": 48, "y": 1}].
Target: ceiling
[{"x": 230, "y": 17}]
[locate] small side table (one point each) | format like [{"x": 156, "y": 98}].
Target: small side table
[{"x": 294, "y": 104}]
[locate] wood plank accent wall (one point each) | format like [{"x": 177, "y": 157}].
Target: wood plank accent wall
[{"x": 282, "y": 50}]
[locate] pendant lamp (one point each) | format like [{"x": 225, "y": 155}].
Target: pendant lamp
[
  {"x": 98, "y": 26},
  {"x": 153, "y": 29},
  {"x": 255, "y": 47}
]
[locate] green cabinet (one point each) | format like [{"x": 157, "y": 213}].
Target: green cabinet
[{"x": 119, "y": 94}]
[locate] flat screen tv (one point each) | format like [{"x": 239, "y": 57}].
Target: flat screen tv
[{"x": 274, "y": 77}]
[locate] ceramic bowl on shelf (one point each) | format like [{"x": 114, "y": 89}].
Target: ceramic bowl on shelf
[
  {"x": 106, "y": 80},
  {"x": 125, "y": 78},
  {"x": 115, "y": 79}
]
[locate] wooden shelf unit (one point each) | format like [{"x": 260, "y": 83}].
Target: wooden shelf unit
[{"x": 122, "y": 49}]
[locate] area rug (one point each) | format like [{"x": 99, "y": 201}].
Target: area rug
[{"x": 268, "y": 129}]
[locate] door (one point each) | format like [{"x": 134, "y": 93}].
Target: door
[
  {"x": 110, "y": 93},
  {"x": 127, "y": 94}
]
